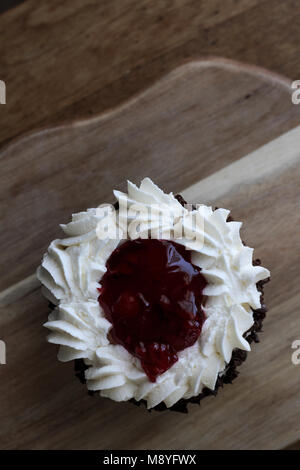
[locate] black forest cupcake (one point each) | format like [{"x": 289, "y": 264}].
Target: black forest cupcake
[{"x": 155, "y": 300}]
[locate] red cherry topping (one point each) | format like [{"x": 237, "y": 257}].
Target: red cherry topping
[{"x": 153, "y": 296}]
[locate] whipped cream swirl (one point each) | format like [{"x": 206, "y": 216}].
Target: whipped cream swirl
[{"x": 73, "y": 266}]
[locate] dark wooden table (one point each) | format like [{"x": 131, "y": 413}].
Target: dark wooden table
[
  {"x": 74, "y": 59},
  {"x": 70, "y": 59}
]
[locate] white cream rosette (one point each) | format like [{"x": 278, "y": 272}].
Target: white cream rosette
[{"x": 73, "y": 266}]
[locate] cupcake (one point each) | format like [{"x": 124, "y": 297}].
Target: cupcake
[{"x": 156, "y": 301}]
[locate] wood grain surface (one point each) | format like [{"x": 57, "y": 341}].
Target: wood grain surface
[
  {"x": 72, "y": 59},
  {"x": 194, "y": 125}
]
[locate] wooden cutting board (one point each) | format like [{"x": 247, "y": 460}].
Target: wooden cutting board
[{"x": 189, "y": 132}]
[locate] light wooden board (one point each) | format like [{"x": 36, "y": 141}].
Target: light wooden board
[{"x": 190, "y": 133}]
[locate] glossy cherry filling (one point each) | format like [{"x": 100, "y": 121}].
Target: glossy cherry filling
[{"x": 153, "y": 296}]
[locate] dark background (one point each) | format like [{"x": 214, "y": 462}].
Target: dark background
[{"x": 7, "y": 4}]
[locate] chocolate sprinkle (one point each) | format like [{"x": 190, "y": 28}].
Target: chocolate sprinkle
[{"x": 231, "y": 372}]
